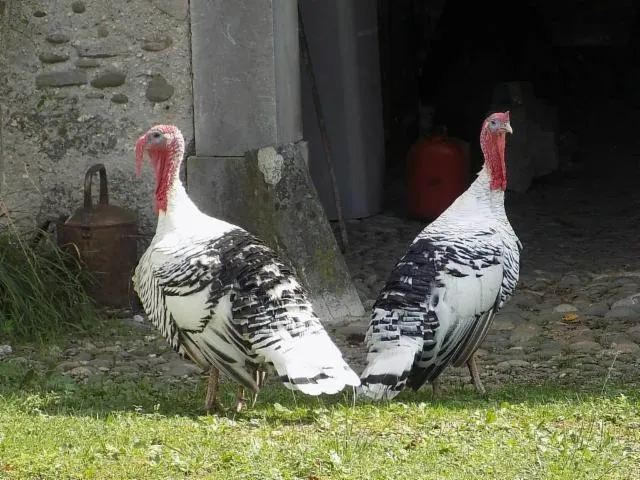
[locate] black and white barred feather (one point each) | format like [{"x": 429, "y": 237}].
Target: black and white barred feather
[{"x": 227, "y": 300}]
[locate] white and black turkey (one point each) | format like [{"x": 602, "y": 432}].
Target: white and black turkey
[
  {"x": 439, "y": 301},
  {"x": 222, "y": 297}
]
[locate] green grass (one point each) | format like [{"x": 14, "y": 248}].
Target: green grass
[
  {"x": 52, "y": 427},
  {"x": 40, "y": 296}
]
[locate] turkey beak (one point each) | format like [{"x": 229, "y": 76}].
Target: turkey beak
[{"x": 507, "y": 127}]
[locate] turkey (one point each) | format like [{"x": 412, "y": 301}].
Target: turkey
[
  {"x": 223, "y": 298},
  {"x": 439, "y": 301}
]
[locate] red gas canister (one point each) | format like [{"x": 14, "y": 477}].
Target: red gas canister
[{"x": 437, "y": 173}]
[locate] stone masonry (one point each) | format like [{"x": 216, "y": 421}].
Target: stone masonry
[{"x": 79, "y": 82}]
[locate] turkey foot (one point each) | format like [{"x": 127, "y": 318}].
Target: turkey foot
[
  {"x": 211, "y": 403},
  {"x": 259, "y": 377},
  {"x": 475, "y": 376}
]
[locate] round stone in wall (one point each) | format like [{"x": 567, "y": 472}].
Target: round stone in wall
[
  {"x": 87, "y": 63},
  {"x": 109, "y": 78},
  {"x": 157, "y": 43},
  {"x": 78, "y": 6},
  {"x": 158, "y": 89},
  {"x": 50, "y": 57},
  {"x": 119, "y": 98},
  {"x": 61, "y": 78},
  {"x": 57, "y": 38}
]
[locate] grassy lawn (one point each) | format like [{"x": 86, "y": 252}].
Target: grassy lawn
[{"x": 52, "y": 427}]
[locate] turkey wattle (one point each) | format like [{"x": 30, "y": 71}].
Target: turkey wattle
[
  {"x": 222, "y": 297},
  {"x": 439, "y": 301}
]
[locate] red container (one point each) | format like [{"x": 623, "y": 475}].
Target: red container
[{"x": 437, "y": 173}]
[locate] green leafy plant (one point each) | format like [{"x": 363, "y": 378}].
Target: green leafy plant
[{"x": 41, "y": 293}]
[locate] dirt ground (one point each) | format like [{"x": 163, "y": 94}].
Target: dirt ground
[
  {"x": 575, "y": 317},
  {"x": 578, "y": 303}
]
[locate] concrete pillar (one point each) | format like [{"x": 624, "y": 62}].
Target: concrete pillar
[
  {"x": 246, "y": 75},
  {"x": 246, "y": 88},
  {"x": 271, "y": 194}
]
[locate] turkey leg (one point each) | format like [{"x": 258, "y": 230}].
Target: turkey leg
[
  {"x": 256, "y": 378},
  {"x": 211, "y": 402},
  {"x": 259, "y": 376},
  {"x": 475, "y": 376},
  {"x": 437, "y": 388},
  {"x": 240, "y": 400}
]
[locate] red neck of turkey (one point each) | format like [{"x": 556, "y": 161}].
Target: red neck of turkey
[
  {"x": 166, "y": 164},
  {"x": 166, "y": 160},
  {"x": 493, "y": 145}
]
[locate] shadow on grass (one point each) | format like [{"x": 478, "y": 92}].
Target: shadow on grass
[{"x": 53, "y": 393}]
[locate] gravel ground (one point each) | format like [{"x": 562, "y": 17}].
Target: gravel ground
[
  {"x": 575, "y": 317},
  {"x": 576, "y": 313}
]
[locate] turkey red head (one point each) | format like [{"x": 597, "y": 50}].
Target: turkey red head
[
  {"x": 164, "y": 144},
  {"x": 493, "y": 141}
]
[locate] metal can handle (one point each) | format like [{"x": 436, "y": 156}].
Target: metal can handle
[{"x": 104, "y": 192}]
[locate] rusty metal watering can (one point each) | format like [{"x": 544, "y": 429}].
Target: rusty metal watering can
[{"x": 103, "y": 239}]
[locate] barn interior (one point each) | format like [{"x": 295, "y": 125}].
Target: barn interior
[{"x": 570, "y": 73}]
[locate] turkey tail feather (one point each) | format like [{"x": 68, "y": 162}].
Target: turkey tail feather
[
  {"x": 387, "y": 372},
  {"x": 312, "y": 364}
]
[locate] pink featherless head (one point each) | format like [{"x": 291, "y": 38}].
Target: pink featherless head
[
  {"x": 160, "y": 139},
  {"x": 498, "y": 122},
  {"x": 164, "y": 144},
  {"x": 492, "y": 141}
]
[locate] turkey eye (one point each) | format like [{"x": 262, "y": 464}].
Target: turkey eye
[{"x": 156, "y": 134}]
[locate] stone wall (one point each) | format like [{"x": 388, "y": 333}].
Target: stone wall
[{"x": 79, "y": 82}]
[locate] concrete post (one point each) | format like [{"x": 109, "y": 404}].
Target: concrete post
[
  {"x": 246, "y": 75},
  {"x": 246, "y": 87},
  {"x": 270, "y": 193}
]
